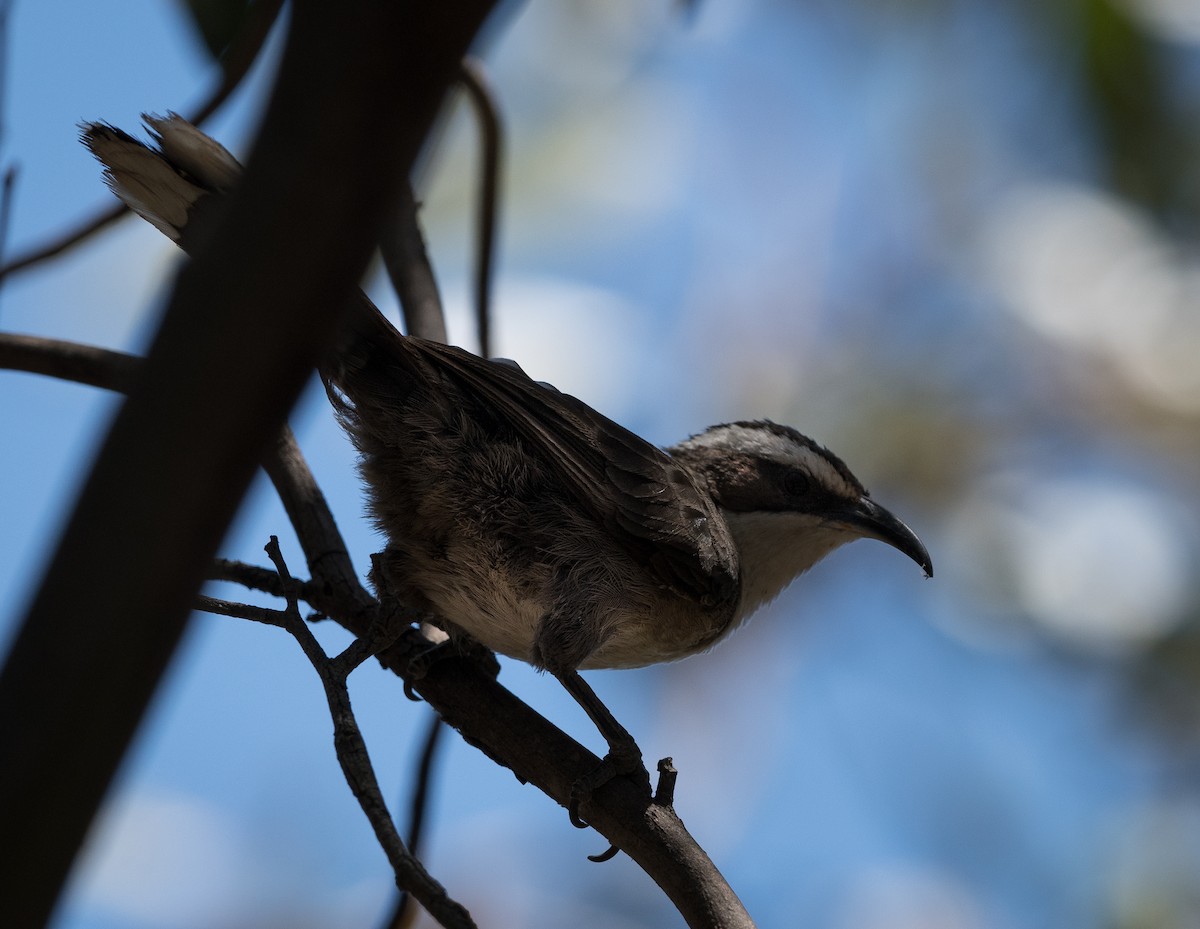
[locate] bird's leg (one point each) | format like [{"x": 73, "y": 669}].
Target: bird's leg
[
  {"x": 443, "y": 639},
  {"x": 623, "y": 758},
  {"x": 438, "y": 647}
]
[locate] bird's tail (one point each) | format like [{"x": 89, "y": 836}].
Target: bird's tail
[
  {"x": 165, "y": 184},
  {"x": 169, "y": 183}
]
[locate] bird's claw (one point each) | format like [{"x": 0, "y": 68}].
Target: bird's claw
[
  {"x": 421, "y": 661},
  {"x": 627, "y": 762},
  {"x": 419, "y": 664},
  {"x": 573, "y": 811}
]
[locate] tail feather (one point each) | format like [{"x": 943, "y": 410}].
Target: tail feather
[
  {"x": 162, "y": 185},
  {"x": 371, "y": 366},
  {"x": 190, "y": 151}
]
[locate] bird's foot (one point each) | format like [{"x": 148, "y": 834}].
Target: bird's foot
[
  {"x": 622, "y": 760},
  {"x": 420, "y": 661}
]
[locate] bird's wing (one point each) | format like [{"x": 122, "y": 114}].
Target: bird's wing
[
  {"x": 645, "y": 499},
  {"x": 642, "y": 496}
]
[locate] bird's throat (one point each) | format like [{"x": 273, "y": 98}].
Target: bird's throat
[{"x": 776, "y": 548}]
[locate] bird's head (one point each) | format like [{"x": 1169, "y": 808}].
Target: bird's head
[{"x": 788, "y": 502}]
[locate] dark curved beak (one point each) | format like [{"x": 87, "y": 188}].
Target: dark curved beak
[{"x": 869, "y": 519}]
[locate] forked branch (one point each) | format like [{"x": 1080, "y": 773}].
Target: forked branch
[{"x": 351, "y": 749}]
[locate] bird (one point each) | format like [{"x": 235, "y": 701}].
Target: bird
[{"x": 519, "y": 516}]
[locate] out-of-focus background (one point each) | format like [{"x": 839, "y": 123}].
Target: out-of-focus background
[{"x": 955, "y": 240}]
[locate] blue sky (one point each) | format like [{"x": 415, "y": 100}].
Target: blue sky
[{"x": 883, "y": 224}]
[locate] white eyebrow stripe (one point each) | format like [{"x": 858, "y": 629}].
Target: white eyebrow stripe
[
  {"x": 784, "y": 446},
  {"x": 822, "y": 471}
]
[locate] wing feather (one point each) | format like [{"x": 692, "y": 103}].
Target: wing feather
[
  {"x": 641, "y": 495},
  {"x": 637, "y": 492}
]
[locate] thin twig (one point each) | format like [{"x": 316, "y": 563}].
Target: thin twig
[
  {"x": 5, "y": 10},
  {"x": 6, "y": 201},
  {"x": 406, "y": 260},
  {"x": 487, "y": 113},
  {"x": 253, "y": 577},
  {"x": 352, "y": 753},
  {"x": 405, "y": 912},
  {"x": 241, "y": 53},
  {"x": 316, "y": 529},
  {"x": 250, "y": 576},
  {"x": 69, "y": 361},
  {"x": 258, "y": 614},
  {"x": 81, "y": 233},
  {"x": 664, "y": 792}
]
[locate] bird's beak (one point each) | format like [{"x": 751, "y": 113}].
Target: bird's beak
[{"x": 869, "y": 519}]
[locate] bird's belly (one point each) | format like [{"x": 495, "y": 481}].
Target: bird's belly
[
  {"x": 502, "y": 619},
  {"x": 632, "y": 621},
  {"x": 675, "y": 629},
  {"x": 493, "y": 613}
]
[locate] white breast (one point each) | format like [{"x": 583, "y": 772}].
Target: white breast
[{"x": 774, "y": 549}]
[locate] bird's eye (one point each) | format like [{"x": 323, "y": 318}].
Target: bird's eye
[{"x": 796, "y": 483}]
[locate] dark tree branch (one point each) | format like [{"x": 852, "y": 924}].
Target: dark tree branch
[
  {"x": 487, "y": 114},
  {"x": 246, "y": 323},
  {"x": 6, "y": 199},
  {"x": 406, "y": 261},
  {"x": 351, "y": 749},
  {"x": 62, "y": 243},
  {"x": 258, "y": 614},
  {"x": 324, "y": 549},
  {"x": 404, "y": 913},
  {"x": 405, "y": 256},
  {"x": 235, "y": 64},
  {"x": 69, "y": 361},
  {"x": 250, "y": 576},
  {"x": 506, "y": 730},
  {"x": 253, "y": 577}
]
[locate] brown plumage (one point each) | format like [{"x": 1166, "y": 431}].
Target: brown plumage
[{"x": 523, "y": 517}]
